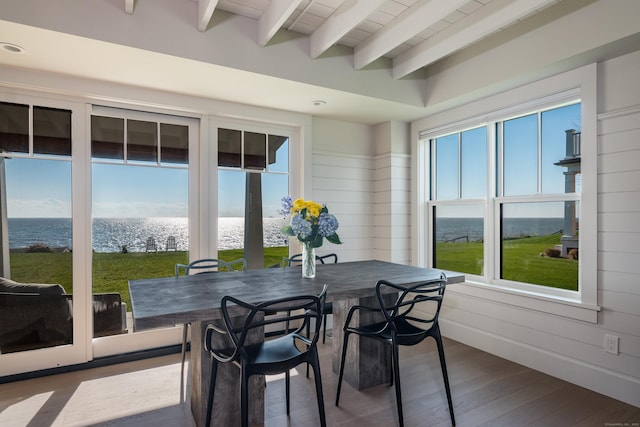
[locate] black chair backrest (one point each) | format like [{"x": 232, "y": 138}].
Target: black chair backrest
[
  {"x": 210, "y": 265},
  {"x": 297, "y": 259},
  {"x": 327, "y": 259},
  {"x": 426, "y": 295},
  {"x": 296, "y": 310},
  {"x": 292, "y": 260}
]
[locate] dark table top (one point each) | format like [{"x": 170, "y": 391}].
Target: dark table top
[{"x": 169, "y": 301}]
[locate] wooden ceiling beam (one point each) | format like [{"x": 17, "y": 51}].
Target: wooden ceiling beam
[
  {"x": 344, "y": 19},
  {"x": 486, "y": 21},
  {"x": 411, "y": 22},
  {"x": 273, "y": 18},
  {"x": 205, "y": 12}
]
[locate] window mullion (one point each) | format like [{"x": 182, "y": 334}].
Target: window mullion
[
  {"x": 459, "y": 165},
  {"x": 266, "y": 153},
  {"x": 30, "y": 130},
  {"x": 539, "y": 160},
  {"x": 242, "y": 134},
  {"x": 489, "y": 209},
  {"x": 126, "y": 141},
  {"x": 498, "y": 190},
  {"x": 432, "y": 181},
  {"x": 158, "y": 142}
]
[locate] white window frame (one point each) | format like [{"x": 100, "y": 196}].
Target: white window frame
[
  {"x": 579, "y": 84},
  {"x": 79, "y": 350},
  {"x": 211, "y": 167},
  {"x": 143, "y": 340}
]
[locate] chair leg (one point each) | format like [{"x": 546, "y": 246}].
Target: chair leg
[
  {"x": 396, "y": 373},
  {"x": 287, "y": 387},
  {"x": 443, "y": 366},
  {"x": 391, "y": 371},
  {"x": 345, "y": 341},
  {"x": 212, "y": 387},
  {"x": 318, "y": 380},
  {"x": 185, "y": 330},
  {"x": 308, "y": 334},
  {"x": 324, "y": 328},
  {"x": 244, "y": 398}
]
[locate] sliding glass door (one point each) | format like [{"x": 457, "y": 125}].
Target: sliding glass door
[
  {"x": 92, "y": 197},
  {"x": 41, "y": 294},
  {"x": 140, "y": 223},
  {"x": 253, "y": 176}
]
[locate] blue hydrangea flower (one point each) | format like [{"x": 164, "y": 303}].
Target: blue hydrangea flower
[
  {"x": 300, "y": 227},
  {"x": 327, "y": 224}
]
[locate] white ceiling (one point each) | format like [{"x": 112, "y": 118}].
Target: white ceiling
[
  {"x": 365, "y": 58},
  {"x": 404, "y": 30}
]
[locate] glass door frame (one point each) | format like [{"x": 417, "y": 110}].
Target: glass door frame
[
  {"x": 203, "y": 207},
  {"x": 79, "y": 350},
  {"x": 162, "y": 337},
  {"x": 209, "y": 246}
]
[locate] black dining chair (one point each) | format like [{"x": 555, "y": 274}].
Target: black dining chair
[
  {"x": 202, "y": 266},
  {"x": 292, "y": 261},
  {"x": 328, "y": 307},
  {"x": 209, "y": 265},
  {"x": 322, "y": 259},
  {"x": 411, "y": 318},
  {"x": 228, "y": 344}
]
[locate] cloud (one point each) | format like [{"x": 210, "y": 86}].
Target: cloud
[{"x": 45, "y": 208}]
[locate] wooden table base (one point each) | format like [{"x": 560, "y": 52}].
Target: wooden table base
[
  {"x": 226, "y": 403},
  {"x": 368, "y": 362}
]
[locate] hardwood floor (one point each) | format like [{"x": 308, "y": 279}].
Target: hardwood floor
[{"x": 487, "y": 391}]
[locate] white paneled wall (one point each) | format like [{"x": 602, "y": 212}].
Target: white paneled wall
[
  {"x": 619, "y": 216},
  {"x": 392, "y": 193},
  {"x": 344, "y": 183},
  {"x": 392, "y": 240},
  {"x": 560, "y": 346},
  {"x": 364, "y": 176},
  {"x": 342, "y": 177},
  {"x": 619, "y": 226}
]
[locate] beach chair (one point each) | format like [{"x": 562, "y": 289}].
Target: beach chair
[
  {"x": 151, "y": 245},
  {"x": 171, "y": 244}
]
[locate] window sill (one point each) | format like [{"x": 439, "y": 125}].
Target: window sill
[{"x": 572, "y": 308}]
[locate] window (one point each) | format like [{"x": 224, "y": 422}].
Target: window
[
  {"x": 140, "y": 198},
  {"x": 36, "y": 226},
  {"x": 122, "y": 140},
  {"x": 540, "y": 193},
  {"x": 459, "y": 188},
  {"x": 253, "y": 176},
  {"x": 505, "y": 199}
]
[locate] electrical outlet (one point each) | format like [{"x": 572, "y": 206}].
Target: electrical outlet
[{"x": 611, "y": 343}]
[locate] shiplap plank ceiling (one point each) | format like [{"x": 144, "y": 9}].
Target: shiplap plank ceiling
[{"x": 413, "y": 33}]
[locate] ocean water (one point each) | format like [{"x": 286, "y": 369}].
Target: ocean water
[
  {"x": 450, "y": 229},
  {"x": 111, "y": 234}
]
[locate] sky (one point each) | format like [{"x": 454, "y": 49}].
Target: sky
[
  {"x": 461, "y": 166},
  {"x": 42, "y": 188}
]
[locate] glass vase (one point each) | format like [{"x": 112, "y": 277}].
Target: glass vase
[{"x": 308, "y": 261}]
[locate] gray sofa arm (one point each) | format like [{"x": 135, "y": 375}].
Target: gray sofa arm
[
  {"x": 109, "y": 315},
  {"x": 30, "y": 321}
]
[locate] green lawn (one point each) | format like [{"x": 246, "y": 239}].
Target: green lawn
[
  {"x": 112, "y": 271},
  {"x": 521, "y": 261}
]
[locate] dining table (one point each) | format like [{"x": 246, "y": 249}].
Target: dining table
[{"x": 177, "y": 300}]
